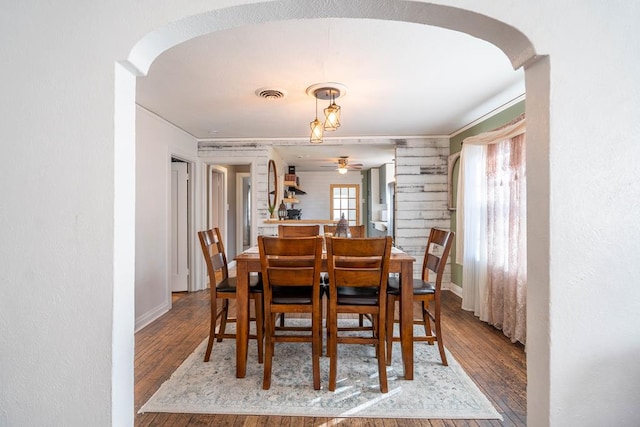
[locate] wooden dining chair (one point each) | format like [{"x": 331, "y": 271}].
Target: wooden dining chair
[
  {"x": 358, "y": 274},
  {"x": 356, "y": 230},
  {"x": 222, "y": 287},
  {"x": 298, "y": 230},
  {"x": 291, "y": 278},
  {"x": 424, "y": 291}
]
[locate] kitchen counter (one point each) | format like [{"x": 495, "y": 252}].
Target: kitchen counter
[{"x": 300, "y": 221}]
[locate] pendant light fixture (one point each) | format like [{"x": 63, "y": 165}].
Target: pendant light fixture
[
  {"x": 332, "y": 114},
  {"x": 317, "y": 129},
  {"x": 329, "y": 92}
]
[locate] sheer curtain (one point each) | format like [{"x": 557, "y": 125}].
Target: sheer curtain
[{"x": 491, "y": 224}]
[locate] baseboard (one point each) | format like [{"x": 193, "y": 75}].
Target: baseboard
[
  {"x": 455, "y": 289},
  {"x": 151, "y": 315}
]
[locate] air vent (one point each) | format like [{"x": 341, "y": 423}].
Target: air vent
[{"x": 271, "y": 93}]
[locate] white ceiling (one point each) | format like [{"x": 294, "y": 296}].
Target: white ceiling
[{"x": 402, "y": 80}]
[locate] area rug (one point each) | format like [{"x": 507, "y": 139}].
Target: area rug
[{"x": 437, "y": 391}]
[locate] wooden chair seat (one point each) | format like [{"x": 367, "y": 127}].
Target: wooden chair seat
[
  {"x": 292, "y": 295},
  {"x": 229, "y": 284},
  {"x": 420, "y": 287},
  {"x": 357, "y": 296}
]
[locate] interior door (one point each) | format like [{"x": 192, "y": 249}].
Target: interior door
[{"x": 179, "y": 227}]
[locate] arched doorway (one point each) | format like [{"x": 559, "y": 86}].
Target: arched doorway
[{"x": 512, "y": 42}]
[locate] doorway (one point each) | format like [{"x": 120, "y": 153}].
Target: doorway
[
  {"x": 217, "y": 198},
  {"x": 180, "y": 225},
  {"x": 518, "y": 51},
  {"x": 243, "y": 211}
]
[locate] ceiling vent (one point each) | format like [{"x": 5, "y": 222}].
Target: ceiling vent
[{"x": 271, "y": 93}]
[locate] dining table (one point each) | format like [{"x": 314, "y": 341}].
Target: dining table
[{"x": 248, "y": 262}]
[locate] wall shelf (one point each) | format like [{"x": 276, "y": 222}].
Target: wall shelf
[{"x": 292, "y": 186}]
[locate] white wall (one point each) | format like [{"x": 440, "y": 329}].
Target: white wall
[
  {"x": 57, "y": 224},
  {"x": 156, "y": 142},
  {"x": 421, "y": 196}
]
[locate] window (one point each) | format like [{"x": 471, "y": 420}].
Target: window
[{"x": 344, "y": 200}]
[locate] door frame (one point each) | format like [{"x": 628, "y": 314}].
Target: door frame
[
  {"x": 221, "y": 199},
  {"x": 240, "y": 208},
  {"x": 252, "y": 162},
  {"x": 180, "y": 241},
  {"x": 191, "y": 222}
]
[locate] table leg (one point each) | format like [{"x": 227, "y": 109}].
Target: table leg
[
  {"x": 406, "y": 318},
  {"x": 242, "y": 316}
]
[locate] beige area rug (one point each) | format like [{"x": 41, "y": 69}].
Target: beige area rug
[{"x": 437, "y": 391}]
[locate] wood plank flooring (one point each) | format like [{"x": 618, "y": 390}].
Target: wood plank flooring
[{"x": 496, "y": 365}]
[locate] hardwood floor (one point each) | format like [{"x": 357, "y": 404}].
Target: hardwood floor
[{"x": 496, "y": 365}]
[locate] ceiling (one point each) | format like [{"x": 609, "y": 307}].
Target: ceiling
[{"x": 402, "y": 80}]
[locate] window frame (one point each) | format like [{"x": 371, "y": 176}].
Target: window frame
[{"x": 356, "y": 208}]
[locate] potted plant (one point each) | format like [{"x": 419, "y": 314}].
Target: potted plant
[{"x": 272, "y": 209}]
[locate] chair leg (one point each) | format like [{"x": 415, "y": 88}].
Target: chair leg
[
  {"x": 223, "y": 319},
  {"x": 212, "y": 327},
  {"x": 316, "y": 348},
  {"x": 332, "y": 350},
  {"x": 325, "y": 314},
  {"x": 443, "y": 356},
  {"x": 374, "y": 324},
  {"x": 269, "y": 348},
  {"x": 426, "y": 319},
  {"x": 258, "y": 303},
  {"x": 382, "y": 364},
  {"x": 391, "y": 309}
]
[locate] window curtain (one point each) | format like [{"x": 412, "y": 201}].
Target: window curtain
[{"x": 491, "y": 222}]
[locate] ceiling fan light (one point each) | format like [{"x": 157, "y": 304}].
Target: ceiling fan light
[
  {"x": 342, "y": 170},
  {"x": 332, "y": 117},
  {"x": 317, "y": 130}
]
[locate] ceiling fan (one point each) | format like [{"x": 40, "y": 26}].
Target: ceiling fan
[{"x": 344, "y": 165}]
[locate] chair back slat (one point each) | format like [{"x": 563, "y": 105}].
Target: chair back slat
[
  {"x": 217, "y": 260},
  {"x": 355, "y": 230},
  {"x": 298, "y": 230},
  {"x": 359, "y": 277},
  {"x": 436, "y": 254},
  {"x": 279, "y": 276},
  {"x": 359, "y": 262},
  {"x": 291, "y": 261},
  {"x": 214, "y": 255}
]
